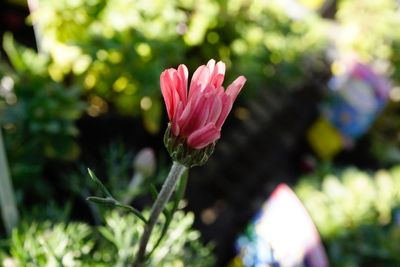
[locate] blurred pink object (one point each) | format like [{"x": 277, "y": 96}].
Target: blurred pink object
[
  {"x": 282, "y": 234},
  {"x": 291, "y": 231},
  {"x": 197, "y": 115}
]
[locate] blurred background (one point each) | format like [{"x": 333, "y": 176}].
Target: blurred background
[{"x": 79, "y": 88}]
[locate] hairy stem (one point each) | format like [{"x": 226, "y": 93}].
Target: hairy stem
[{"x": 167, "y": 189}]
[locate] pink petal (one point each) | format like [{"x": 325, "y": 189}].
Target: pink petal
[
  {"x": 165, "y": 84},
  {"x": 221, "y": 67},
  {"x": 171, "y": 81},
  {"x": 227, "y": 101},
  {"x": 199, "y": 80},
  {"x": 214, "y": 105},
  {"x": 185, "y": 113},
  {"x": 183, "y": 74},
  {"x": 173, "y": 85},
  {"x": 227, "y": 104},
  {"x": 234, "y": 88},
  {"x": 195, "y": 115},
  {"x": 217, "y": 74},
  {"x": 204, "y": 136},
  {"x": 206, "y": 108},
  {"x": 211, "y": 65},
  {"x": 178, "y": 113}
]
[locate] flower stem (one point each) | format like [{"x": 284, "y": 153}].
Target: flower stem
[{"x": 167, "y": 189}]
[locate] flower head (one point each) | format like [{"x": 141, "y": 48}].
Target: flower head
[{"x": 197, "y": 115}]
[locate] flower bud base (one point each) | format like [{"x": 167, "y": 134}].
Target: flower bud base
[{"x": 182, "y": 153}]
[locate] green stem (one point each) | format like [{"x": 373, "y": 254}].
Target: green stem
[
  {"x": 180, "y": 191},
  {"x": 167, "y": 189}
]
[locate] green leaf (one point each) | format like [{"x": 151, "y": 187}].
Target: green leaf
[
  {"x": 104, "y": 231},
  {"x": 100, "y": 200},
  {"x": 113, "y": 202},
  {"x": 12, "y": 52},
  {"x": 110, "y": 200},
  {"x": 99, "y": 183}
]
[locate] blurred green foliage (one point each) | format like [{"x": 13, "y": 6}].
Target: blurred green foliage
[
  {"x": 181, "y": 248},
  {"x": 40, "y": 242},
  {"x": 115, "y": 244},
  {"x": 357, "y": 215},
  {"x": 113, "y": 52},
  {"x": 101, "y": 57},
  {"x": 117, "y": 50},
  {"x": 385, "y": 134},
  {"x": 44, "y": 244},
  {"x": 368, "y": 28},
  {"x": 38, "y": 116},
  {"x": 273, "y": 48}
]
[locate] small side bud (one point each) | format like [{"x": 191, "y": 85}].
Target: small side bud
[{"x": 145, "y": 162}]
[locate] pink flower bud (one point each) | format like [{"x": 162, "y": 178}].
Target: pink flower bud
[{"x": 197, "y": 115}]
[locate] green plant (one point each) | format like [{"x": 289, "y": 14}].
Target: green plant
[
  {"x": 271, "y": 47},
  {"x": 38, "y": 116},
  {"x": 181, "y": 247},
  {"x": 78, "y": 244},
  {"x": 45, "y": 244},
  {"x": 384, "y": 135},
  {"x": 368, "y": 29},
  {"x": 115, "y": 50},
  {"x": 355, "y": 213}
]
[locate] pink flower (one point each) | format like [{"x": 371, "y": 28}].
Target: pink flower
[{"x": 197, "y": 115}]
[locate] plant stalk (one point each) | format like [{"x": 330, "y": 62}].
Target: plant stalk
[
  {"x": 167, "y": 189},
  {"x": 8, "y": 205}
]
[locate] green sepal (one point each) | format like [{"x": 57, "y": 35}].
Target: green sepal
[{"x": 182, "y": 153}]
